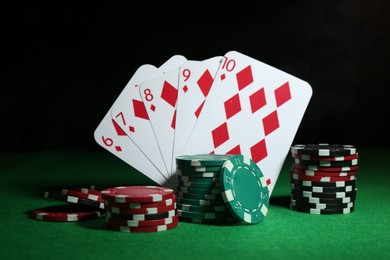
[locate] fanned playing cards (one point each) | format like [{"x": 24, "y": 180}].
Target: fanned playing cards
[{"x": 230, "y": 104}]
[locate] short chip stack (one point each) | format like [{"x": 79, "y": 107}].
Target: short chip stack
[
  {"x": 220, "y": 189},
  {"x": 323, "y": 178},
  {"x": 140, "y": 208}
]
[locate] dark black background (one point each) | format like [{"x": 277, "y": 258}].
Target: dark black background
[{"x": 64, "y": 64}]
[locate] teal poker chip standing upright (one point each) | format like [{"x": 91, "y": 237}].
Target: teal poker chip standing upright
[{"x": 244, "y": 189}]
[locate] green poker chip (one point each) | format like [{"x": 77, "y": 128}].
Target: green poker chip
[
  {"x": 202, "y": 159},
  {"x": 199, "y": 169},
  {"x": 244, "y": 189}
]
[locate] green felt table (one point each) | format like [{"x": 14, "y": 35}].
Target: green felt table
[{"x": 284, "y": 233}]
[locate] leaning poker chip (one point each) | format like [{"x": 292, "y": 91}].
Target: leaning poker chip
[
  {"x": 125, "y": 194},
  {"x": 195, "y": 208},
  {"x": 213, "y": 198},
  {"x": 322, "y": 200},
  {"x": 83, "y": 195},
  {"x": 202, "y": 159},
  {"x": 324, "y": 158},
  {"x": 325, "y": 169},
  {"x": 297, "y": 176},
  {"x": 145, "y": 229},
  {"x": 323, "y": 184},
  {"x": 319, "y": 173},
  {"x": 167, "y": 214},
  {"x": 322, "y": 163},
  {"x": 140, "y": 205},
  {"x": 142, "y": 223},
  {"x": 72, "y": 199},
  {"x": 322, "y": 189},
  {"x": 244, "y": 189},
  {"x": 335, "y": 195},
  {"x": 324, "y": 149},
  {"x": 65, "y": 213},
  {"x": 153, "y": 210},
  {"x": 322, "y": 211}
]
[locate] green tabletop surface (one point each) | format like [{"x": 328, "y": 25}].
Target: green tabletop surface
[{"x": 283, "y": 234}]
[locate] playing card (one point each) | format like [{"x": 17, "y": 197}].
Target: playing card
[
  {"x": 110, "y": 136},
  {"x": 252, "y": 109},
  {"x": 195, "y": 81},
  {"x": 130, "y": 114},
  {"x": 159, "y": 95}
]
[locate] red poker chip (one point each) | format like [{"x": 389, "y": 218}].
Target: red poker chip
[
  {"x": 65, "y": 213},
  {"x": 154, "y": 210},
  {"x": 83, "y": 193},
  {"x": 140, "y": 205},
  {"x": 325, "y": 169},
  {"x": 141, "y": 223},
  {"x": 127, "y": 194},
  {"x": 323, "y": 173},
  {"x": 297, "y": 176},
  {"x": 307, "y": 157},
  {"x": 157, "y": 228}
]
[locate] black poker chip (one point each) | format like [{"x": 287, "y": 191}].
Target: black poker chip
[{"x": 324, "y": 149}]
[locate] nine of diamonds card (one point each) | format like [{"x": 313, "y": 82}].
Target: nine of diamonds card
[{"x": 231, "y": 104}]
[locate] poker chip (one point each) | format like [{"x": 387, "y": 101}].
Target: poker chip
[
  {"x": 83, "y": 193},
  {"x": 73, "y": 199},
  {"x": 122, "y": 216},
  {"x": 308, "y": 157},
  {"x": 324, "y": 184},
  {"x": 322, "y": 200},
  {"x": 323, "y": 163},
  {"x": 127, "y": 194},
  {"x": 215, "y": 221},
  {"x": 199, "y": 169},
  {"x": 323, "y": 178},
  {"x": 142, "y": 223},
  {"x": 139, "y": 205},
  {"x": 199, "y": 190},
  {"x": 297, "y": 176},
  {"x": 322, "y": 211},
  {"x": 324, "y": 149},
  {"x": 202, "y": 160},
  {"x": 324, "y": 168},
  {"x": 152, "y": 210},
  {"x": 144, "y": 229},
  {"x": 65, "y": 213},
  {"x": 320, "y": 173},
  {"x": 322, "y": 189},
  {"x": 244, "y": 189},
  {"x": 196, "y": 208},
  {"x": 207, "y": 199},
  {"x": 203, "y": 215},
  {"x": 194, "y": 184},
  {"x": 321, "y": 205},
  {"x": 192, "y": 174}
]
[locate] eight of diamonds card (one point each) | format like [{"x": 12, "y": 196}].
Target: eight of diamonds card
[{"x": 252, "y": 109}]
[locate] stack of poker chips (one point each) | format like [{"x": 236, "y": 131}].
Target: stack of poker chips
[
  {"x": 140, "y": 208},
  {"x": 323, "y": 178},
  {"x": 207, "y": 189}
]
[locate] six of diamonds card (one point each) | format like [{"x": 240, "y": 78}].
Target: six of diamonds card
[{"x": 230, "y": 104}]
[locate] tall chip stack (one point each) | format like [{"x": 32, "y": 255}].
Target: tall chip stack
[{"x": 323, "y": 178}]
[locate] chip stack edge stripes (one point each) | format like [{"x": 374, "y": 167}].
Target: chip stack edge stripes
[
  {"x": 140, "y": 208},
  {"x": 323, "y": 178}
]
